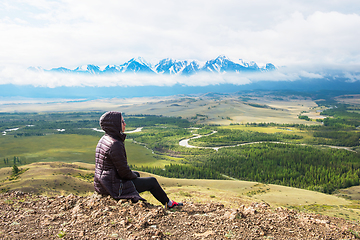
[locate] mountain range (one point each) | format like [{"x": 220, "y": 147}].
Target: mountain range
[{"x": 221, "y": 64}]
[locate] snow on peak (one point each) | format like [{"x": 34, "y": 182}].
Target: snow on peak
[
  {"x": 142, "y": 61},
  {"x": 222, "y": 57},
  {"x": 242, "y": 63},
  {"x": 83, "y": 68}
]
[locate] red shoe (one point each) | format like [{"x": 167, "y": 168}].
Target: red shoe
[{"x": 175, "y": 204}]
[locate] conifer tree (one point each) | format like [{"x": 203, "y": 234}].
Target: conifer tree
[{"x": 15, "y": 170}]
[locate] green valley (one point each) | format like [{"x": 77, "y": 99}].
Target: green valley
[{"x": 321, "y": 155}]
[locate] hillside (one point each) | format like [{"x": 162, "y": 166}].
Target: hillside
[
  {"x": 57, "y": 178},
  {"x": 26, "y": 216}
]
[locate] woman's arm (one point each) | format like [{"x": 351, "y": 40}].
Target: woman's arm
[{"x": 119, "y": 160}]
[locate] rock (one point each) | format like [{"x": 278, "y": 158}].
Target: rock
[
  {"x": 205, "y": 234},
  {"x": 232, "y": 215},
  {"x": 322, "y": 221},
  {"x": 248, "y": 211}
]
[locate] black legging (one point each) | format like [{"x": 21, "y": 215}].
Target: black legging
[{"x": 152, "y": 185}]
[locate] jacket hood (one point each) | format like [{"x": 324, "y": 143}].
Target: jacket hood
[{"x": 110, "y": 122}]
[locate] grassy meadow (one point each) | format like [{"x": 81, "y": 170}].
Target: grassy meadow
[
  {"x": 69, "y": 148},
  {"x": 65, "y": 148}
]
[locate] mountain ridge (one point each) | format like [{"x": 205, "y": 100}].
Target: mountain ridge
[{"x": 219, "y": 65}]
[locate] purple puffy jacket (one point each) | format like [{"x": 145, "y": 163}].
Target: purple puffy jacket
[{"x": 112, "y": 173}]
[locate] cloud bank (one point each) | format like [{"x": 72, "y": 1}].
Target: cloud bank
[
  {"x": 72, "y": 33},
  {"x": 19, "y": 76}
]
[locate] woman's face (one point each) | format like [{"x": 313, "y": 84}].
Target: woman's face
[{"x": 123, "y": 124}]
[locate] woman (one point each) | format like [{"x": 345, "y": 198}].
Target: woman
[{"x": 113, "y": 175}]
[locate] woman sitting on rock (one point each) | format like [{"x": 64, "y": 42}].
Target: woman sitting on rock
[{"x": 113, "y": 175}]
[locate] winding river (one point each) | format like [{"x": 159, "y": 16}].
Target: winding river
[{"x": 185, "y": 142}]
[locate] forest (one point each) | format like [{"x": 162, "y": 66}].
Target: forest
[{"x": 289, "y": 165}]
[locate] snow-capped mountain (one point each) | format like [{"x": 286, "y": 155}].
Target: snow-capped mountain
[
  {"x": 61, "y": 69},
  {"x": 93, "y": 69},
  {"x": 112, "y": 69},
  {"x": 136, "y": 65},
  {"x": 192, "y": 68},
  {"x": 269, "y": 67},
  {"x": 170, "y": 66},
  {"x": 221, "y": 64}
]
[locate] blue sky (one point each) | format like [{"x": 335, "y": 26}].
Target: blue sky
[{"x": 301, "y": 34}]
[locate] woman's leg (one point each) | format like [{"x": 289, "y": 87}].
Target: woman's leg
[{"x": 152, "y": 185}]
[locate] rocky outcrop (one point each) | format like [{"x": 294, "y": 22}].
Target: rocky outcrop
[{"x": 26, "y": 216}]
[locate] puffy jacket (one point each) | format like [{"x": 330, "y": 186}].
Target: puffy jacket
[{"x": 112, "y": 173}]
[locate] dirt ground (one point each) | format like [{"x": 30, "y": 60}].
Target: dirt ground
[{"x": 26, "y": 216}]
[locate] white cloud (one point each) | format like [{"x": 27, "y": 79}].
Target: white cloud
[
  {"x": 352, "y": 77},
  {"x": 72, "y": 33}
]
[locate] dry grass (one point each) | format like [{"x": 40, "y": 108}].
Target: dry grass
[
  {"x": 274, "y": 194},
  {"x": 351, "y": 192},
  {"x": 50, "y": 178},
  {"x": 228, "y": 109},
  {"x": 353, "y": 99}
]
